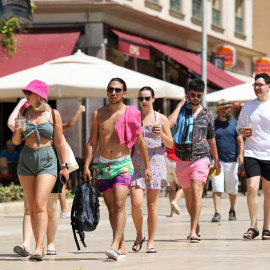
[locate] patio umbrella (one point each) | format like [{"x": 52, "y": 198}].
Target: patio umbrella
[
  {"x": 81, "y": 76},
  {"x": 243, "y": 92}
]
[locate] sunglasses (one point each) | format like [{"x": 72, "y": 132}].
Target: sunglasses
[
  {"x": 27, "y": 92},
  {"x": 143, "y": 98},
  {"x": 194, "y": 95},
  {"x": 10, "y": 145},
  {"x": 117, "y": 90}
]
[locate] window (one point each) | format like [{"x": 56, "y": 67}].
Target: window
[
  {"x": 216, "y": 12},
  {"x": 175, "y": 5},
  {"x": 196, "y": 9},
  {"x": 239, "y": 15}
]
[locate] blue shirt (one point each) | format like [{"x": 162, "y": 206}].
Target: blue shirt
[
  {"x": 13, "y": 157},
  {"x": 227, "y": 145}
]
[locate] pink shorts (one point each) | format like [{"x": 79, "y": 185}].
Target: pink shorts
[{"x": 189, "y": 170}]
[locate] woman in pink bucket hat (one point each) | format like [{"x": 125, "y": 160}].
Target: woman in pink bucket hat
[{"x": 37, "y": 168}]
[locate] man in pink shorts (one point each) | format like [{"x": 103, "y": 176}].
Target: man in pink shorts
[{"x": 194, "y": 135}]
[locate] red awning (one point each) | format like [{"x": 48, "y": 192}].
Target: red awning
[
  {"x": 132, "y": 45},
  {"x": 192, "y": 61},
  {"x": 36, "y": 49}
]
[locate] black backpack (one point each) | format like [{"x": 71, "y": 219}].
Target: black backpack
[{"x": 84, "y": 212}]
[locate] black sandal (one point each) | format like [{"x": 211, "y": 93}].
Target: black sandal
[
  {"x": 266, "y": 235},
  {"x": 251, "y": 233},
  {"x": 139, "y": 244}
]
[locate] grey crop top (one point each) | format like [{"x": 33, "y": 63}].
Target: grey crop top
[{"x": 44, "y": 129}]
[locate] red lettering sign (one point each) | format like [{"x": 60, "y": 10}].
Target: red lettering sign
[{"x": 133, "y": 50}]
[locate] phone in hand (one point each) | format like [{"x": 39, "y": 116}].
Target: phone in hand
[{"x": 63, "y": 180}]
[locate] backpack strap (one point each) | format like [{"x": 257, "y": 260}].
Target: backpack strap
[{"x": 73, "y": 220}]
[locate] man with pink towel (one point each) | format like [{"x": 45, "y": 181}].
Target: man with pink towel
[{"x": 116, "y": 127}]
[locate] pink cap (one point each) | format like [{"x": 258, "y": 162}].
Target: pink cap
[{"x": 38, "y": 87}]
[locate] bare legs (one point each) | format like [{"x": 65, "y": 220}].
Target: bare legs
[
  {"x": 152, "y": 220},
  {"x": 193, "y": 196},
  {"x": 63, "y": 201},
  {"x": 136, "y": 194},
  {"x": 115, "y": 201},
  {"x": 27, "y": 228},
  {"x": 37, "y": 191},
  {"x": 252, "y": 200},
  {"x": 216, "y": 199},
  {"x": 174, "y": 196},
  {"x": 52, "y": 221}
]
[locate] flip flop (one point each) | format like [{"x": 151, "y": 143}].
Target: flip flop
[
  {"x": 188, "y": 237},
  {"x": 135, "y": 244},
  {"x": 51, "y": 252},
  {"x": 194, "y": 239},
  {"x": 20, "y": 250},
  {"x": 251, "y": 233},
  {"x": 151, "y": 250},
  {"x": 36, "y": 256}
]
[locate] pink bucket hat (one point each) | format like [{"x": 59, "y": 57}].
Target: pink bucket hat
[{"x": 38, "y": 87}]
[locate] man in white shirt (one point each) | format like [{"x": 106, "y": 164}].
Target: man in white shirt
[{"x": 254, "y": 125}]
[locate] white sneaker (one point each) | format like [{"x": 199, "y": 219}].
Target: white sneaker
[
  {"x": 65, "y": 216},
  {"x": 175, "y": 207}
]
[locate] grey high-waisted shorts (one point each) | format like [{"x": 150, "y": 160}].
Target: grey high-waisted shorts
[{"x": 33, "y": 162}]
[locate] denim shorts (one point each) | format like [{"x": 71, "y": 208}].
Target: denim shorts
[{"x": 33, "y": 162}]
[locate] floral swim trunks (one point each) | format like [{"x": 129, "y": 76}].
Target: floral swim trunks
[{"x": 116, "y": 172}]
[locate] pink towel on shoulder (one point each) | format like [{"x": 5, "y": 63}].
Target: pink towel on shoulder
[{"x": 128, "y": 126}]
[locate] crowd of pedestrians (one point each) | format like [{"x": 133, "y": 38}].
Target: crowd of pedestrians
[{"x": 136, "y": 147}]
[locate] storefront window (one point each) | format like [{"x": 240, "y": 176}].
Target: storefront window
[
  {"x": 239, "y": 16},
  {"x": 216, "y": 12},
  {"x": 175, "y": 5},
  {"x": 196, "y": 9},
  {"x": 216, "y": 17}
]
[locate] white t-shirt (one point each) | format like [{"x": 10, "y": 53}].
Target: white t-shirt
[{"x": 257, "y": 115}]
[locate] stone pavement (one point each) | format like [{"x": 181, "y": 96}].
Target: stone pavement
[{"x": 221, "y": 247}]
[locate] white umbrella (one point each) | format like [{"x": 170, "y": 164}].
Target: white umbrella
[
  {"x": 80, "y": 76},
  {"x": 243, "y": 92}
]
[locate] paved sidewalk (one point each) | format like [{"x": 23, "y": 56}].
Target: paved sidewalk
[{"x": 221, "y": 247}]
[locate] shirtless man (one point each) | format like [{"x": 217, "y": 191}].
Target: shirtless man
[{"x": 115, "y": 166}]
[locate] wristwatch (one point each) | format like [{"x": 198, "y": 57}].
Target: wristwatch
[{"x": 65, "y": 165}]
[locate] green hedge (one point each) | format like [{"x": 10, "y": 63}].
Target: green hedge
[
  {"x": 11, "y": 193},
  {"x": 15, "y": 193}
]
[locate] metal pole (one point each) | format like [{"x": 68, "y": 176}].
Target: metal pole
[{"x": 204, "y": 49}]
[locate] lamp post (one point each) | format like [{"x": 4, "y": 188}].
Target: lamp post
[{"x": 204, "y": 49}]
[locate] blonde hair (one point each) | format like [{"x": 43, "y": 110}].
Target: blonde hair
[{"x": 43, "y": 105}]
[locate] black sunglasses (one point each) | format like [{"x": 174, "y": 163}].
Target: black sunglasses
[
  {"x": 194, "y": 95},
  {"x": 144, "y": 98},
  {"x": 27, "y": 92},
  {"x": 117, "y": 90}
]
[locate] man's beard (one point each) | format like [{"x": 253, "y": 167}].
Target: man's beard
[
  {"x": 115, "y": 101},
  {"x": 228, "y": 116},
  {"x": 195, "y": 103}
]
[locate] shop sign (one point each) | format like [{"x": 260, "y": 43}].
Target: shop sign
[
  {"x": 229, "y": 54},
  {"x": 262, "y": 65},
  {"x": 133, "y": 49}
]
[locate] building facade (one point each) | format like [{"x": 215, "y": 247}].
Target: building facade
[{"x": 160, "y": 38}]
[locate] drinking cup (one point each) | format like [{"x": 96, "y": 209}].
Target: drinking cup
[{"x": 22, "y": 122}]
